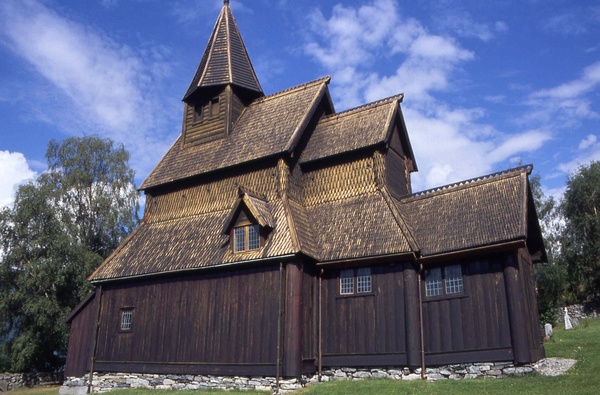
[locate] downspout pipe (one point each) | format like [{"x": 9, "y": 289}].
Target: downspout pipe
[
  {"x": 320, "y": 324},
  {"x": 279, "y": 337},
  {"x": 96, "y": 333},
  {"x": 422, "y": 332}
]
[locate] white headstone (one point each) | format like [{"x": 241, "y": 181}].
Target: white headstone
[
  {"x": 548, "y": 330},
  {"x": 568, "y": 324}
]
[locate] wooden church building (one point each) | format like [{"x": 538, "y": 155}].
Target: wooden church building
[{"x": 280, "y": 236}]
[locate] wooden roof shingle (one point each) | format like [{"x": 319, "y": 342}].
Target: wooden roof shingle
[
  {"x": 189, "y": 243},
  {"x": 261, "y": 131},
  {"x": 474, "y": 213},
  {"x": 359, "y": 227},
  {"x": 350, "y": 130},
  {"x": 225, "y": 59}
]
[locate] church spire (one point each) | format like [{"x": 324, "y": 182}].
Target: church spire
[{"x": 225, "y": 60}]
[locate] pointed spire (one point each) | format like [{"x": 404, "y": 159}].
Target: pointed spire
[{"x": 225, "y": 59}]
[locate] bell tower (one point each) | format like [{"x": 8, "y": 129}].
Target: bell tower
[{"x": 224, "y": 84}]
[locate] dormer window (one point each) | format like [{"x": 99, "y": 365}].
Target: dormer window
[
  {"x": 246, "y": 238},
  {"x": 249, "y": 223}
]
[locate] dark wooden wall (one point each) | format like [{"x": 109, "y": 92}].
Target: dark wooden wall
[
  {"x": 366, "y": 329},
  {"x": 495, "y": 319},
  {"x": 81, "y": 335},
  {"x": 530, "y": 307},
  {"x": 397, "y": 177},
  {"x": 212, "y": 322}
]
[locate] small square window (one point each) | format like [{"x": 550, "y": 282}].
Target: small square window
[
  {"x": 239, "y": 239},
  {"x": 363, "y": 280},
  {"x": 453, "y": 279},
  {"x": 433, "y": 282},
  {"x": 126, "y": 315},
  {"x": 253, "y": 237},
  {"x": 440, "y": 282},
  {"x": 246, "y": 238},
  {"x": 355, "y": 281},
  {"x": 347, "y": 282},
  {"x": 214, "y": 108}
]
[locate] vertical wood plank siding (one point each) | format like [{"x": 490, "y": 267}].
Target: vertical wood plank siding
[
  {"x": 365, "y": 330},
  {"x": 531, "y": 307},
  {"x": 79, "y": 350},
  {"x": 183, "y": 324},
  {"x": 397, "y": 175},
  {"x": 207, "y": 129},
  {"x": 472, "y": 326}
]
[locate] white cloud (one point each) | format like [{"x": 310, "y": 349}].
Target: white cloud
[
  {"x": 102, "y": 86},
  {"x": 14, "y": 171},
  {"x": 450, "y": 144},
  {"x": 588, "y": 81},
  {"x": 588, "y": 141},
  {"x": 588, "y": 151}
]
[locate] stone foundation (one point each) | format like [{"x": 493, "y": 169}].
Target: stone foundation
[
  {"x": 11, "y": 381},
  {"x": 107, "y": 382},
  {"x": 579, "y": 312}
]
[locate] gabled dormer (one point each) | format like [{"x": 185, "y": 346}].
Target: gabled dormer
[
  {"x": 224, "y": 84},
  {"x": 249, "y": 223}
]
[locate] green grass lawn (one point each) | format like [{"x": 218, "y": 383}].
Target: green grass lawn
[{"x": 582, "y": 343}]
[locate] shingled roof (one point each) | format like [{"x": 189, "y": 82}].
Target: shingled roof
[
  {"x": 358, "y": 227},
  {"x": 225, "y": 60},
  {"x": 480, "y": 212},
  {"x": 189, "y": 243},
  {"x": 261, "y": 131},
  {"x": 350, "y": 130}
]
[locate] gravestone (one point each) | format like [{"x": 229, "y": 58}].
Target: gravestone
[
  {"x": 568, "y": 324},
  {"x": 3, "y": 386},
  {"x": 548, "y": 330}
]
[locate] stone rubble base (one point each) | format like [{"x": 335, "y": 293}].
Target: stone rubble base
[
  {"x": 12, "y": 381},
  {"x": 106, "y": 382}
]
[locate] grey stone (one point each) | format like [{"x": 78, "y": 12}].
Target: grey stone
[
  {"x": 523, "y": 370},
  {"x": 380, "y": 375},
  {"x": 445, "y": 372},
  {"x": 548, "y": 330},
  {"x": 65, "y": 390},
  {"x": 362, "y": 375},
  {"x": 434, "y": 377},
  {"x": 412, "y": 376},
  {"x": 509, "y": 371}
]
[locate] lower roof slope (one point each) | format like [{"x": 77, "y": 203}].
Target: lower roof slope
[
  {"x": 474, "y": 213},
  {"x": 189, "y": 243}
]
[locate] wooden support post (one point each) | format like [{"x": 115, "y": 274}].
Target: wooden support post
[
  {"x": 515, "y": 300},
  {"x": 292, "y": 343}
]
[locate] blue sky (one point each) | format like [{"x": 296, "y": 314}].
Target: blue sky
[{"x": 487, "y": 84}]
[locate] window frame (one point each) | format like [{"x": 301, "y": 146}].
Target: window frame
[
  {"x": 356, "y": 278},
  {"x": 247, "y": 230},
  {"x": 447, "y": 284},
  {"x": 126, "y": 325}
]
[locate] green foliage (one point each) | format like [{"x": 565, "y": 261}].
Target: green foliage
[
  {"x": 60, "y": 229},
  {"x": 551, "y": 277},
  {"x": 581, "y": 237}
]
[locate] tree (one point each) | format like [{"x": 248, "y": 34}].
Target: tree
[
  {"x": 551, "y": 279},
  {"x": 581, "y": 236},
  {"x": 60, "y": 229}
]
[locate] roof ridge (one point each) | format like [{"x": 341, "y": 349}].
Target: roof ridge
[
  {"x": 364, "y": 106},
  {"x": 470, "y": 182},
  {"x": 289, "y": 90}
]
